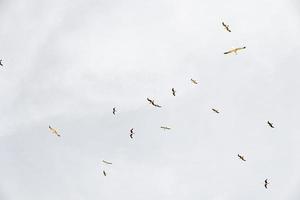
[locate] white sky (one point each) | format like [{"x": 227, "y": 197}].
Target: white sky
[{"x": 67, "y": 63}]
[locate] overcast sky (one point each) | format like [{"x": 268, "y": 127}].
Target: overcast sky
[{"x": 68, "y": 63}]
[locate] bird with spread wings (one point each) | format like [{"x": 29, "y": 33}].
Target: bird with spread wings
[
  {"x": 226, "y": 27},
  {"x": 270, "y": 124},
  {"x": 266, "y": 183},
  {"x": 165, "y": 127},
  {"x": 215, "y": 110},
  {"x": 241, "y": 157},
  {"x": 234, "y": 50},
  {"x": 173, "y": 92},
  {"x": 54, "y": 131},
  {"x": 153, "y": 103},
  {"x": 194, "y": 81}
]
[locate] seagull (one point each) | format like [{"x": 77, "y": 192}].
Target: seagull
[
  {"x": 131, "y": 133},
  {"x": 173, "y": 92},
  {"x": 109, "y": 163},
  {"x": 194, "y": 81},
  {"x": 114, "y": 110},
  {"x": 235, "y": 50},
  {"x": 266, "y": 183},
  {"x": 270, "y": 124},
  {"x": 226, "y": 27},
  {"x": 152, "y": 102},
  {"x": 216, "y": 111},
  {"x": 54, "y": 131},
  {"x": 1, "y": 63},
  {"x": 241, "y": 157},
  {"x": 104, "y": 173},
  {"x": 165, "y": 127}
]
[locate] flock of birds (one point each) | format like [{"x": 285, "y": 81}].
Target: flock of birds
[{"x": 153, "y": 103}]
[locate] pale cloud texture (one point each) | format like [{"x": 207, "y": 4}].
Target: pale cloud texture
[{"x": 68, "y": 63}]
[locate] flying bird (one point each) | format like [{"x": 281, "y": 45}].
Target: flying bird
[
  {"x": 241, "y": 157},
  {"x": 1, "y": 63},
  {"x": 104, "y": 173},
  {"x": 165, "y": 127},
  {"x": 114, "y": 110},
  {"x": 194, "y": 81},
  {"x": 270, "y": 124},
  {"x": 226, "y": 27},
  {"x": 235, "y": 50},
  {"x": 266, "y": 183},
  {"x": 216, "y": 111},
  {"x": 173, "y": 92},
  {"x": 54, "y": 131},
  {"x": 152, "y": 102},
  {"x": 106, "y": 162},
  {"x": 131, "y": 133}
]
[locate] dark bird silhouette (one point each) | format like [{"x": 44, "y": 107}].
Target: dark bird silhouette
[
  {"x": 173, "y": 92},
  {"x": 106, "y": 162},
  {"x": 1, "y": 63},
  {"x": 152, "y": 103},
  {"x": 241, "y": 157},
  {"x": 194, "y": 81},
  {"x": 104, "y": 173},
  {"x": 270, "y": 124},
  {"x": 165, "y": 127},
  {"x": 54, "y": 131},
  {"x": 266, "y": 183},
  {"x": 226, "y": 27},
  {"x": 131, "y": 133},
  {"x": 114, "y": 110},
  {"x": 216, "y": 111},
  {"x": 235, "y": 50}
]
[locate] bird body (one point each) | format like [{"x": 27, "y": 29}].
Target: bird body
[
  {"x": 235, "y": 50},
  {"x": 226, "y": 27},
  {"x": 173, "y": 92},
  {"x": 194, "y": 81},
  {"x": 54, "y": 131},
  {"x": 165, "y": 127},
  {"x": 266, "y": 183},
  {"x": 216, "y": 111},
  {"x": 104, "y": 173},
  {"x": 270, "y": 124},
  {"x": 241, "y": 157}
]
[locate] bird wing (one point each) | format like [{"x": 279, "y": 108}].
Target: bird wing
[
  {"x": 230, "y": 51},
  {"x": 106, "y": 162}
]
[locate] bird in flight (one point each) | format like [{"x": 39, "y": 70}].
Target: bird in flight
[
  {"x": 114, "y": 110},
  {"x": 235, "y": 50},
  {"x": 226, "y": 27},
  {"x": 173, "y": 92},
  {"x": 270, "y": 124},
  {"x": 266, "y": 183},
  {"x": 216, "y": 111},
  {"x": 104, "y": 173},
  {"x": 194, "y": 81},
  {"x": 152, "y": 102},
  {"x": 241, "y": 157},
  {"x": 54, "y": 131},
  {"x": 106, "y": 162},
  {"x": 165, "y": 127},
  {"x": 131, "y": 133},
  {"x": 1, "y": 63}
]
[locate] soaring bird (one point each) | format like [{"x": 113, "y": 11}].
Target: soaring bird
[
  {"x": 152, "y": 102},
  {"x": 194, "y": 81},
  {"x": 216, "y": 111},
  {"x": 165, "y": 127},
  {"x": 235, "y": 50},
  {"x": 1, "y": 63},
  {"x": 266, "y": 183},
  {"x": 104, "y": 173},
  {"x": 270, "y": 124},
  {"x": 173, "y": 92},
  {"x": 226, "y": 27},
  {"x": 131, "y": 133},
  {"x": 54, "y": 131},
  {"x": 241, "y": 157},
  {"x": 109, "y": 163}
]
